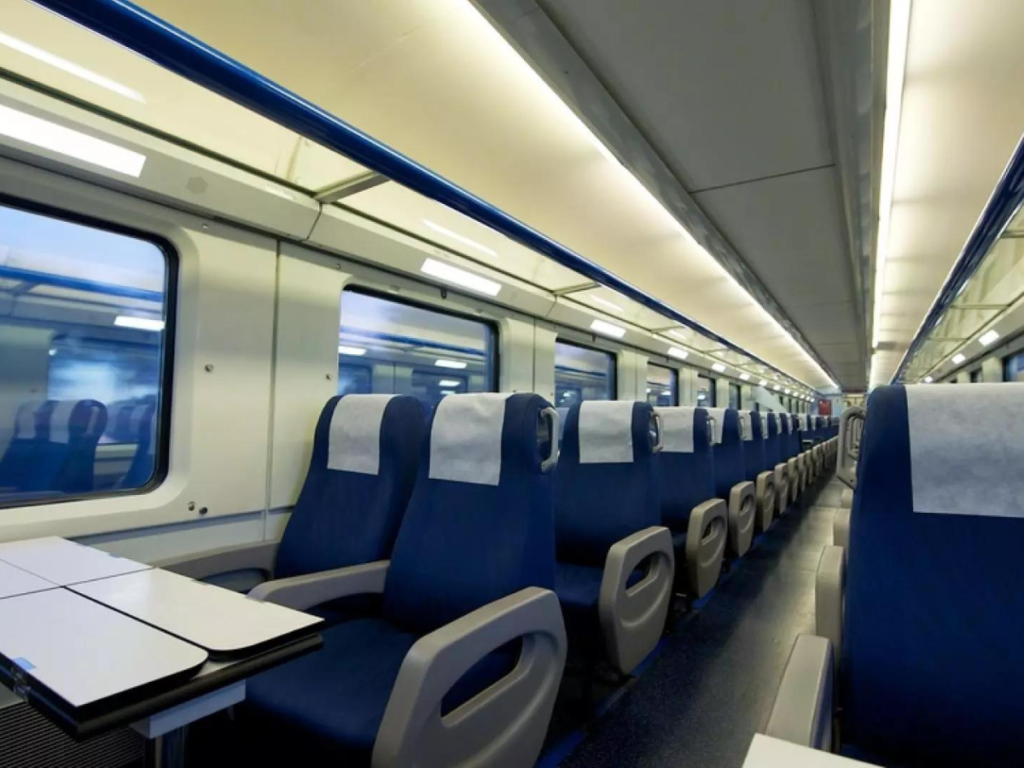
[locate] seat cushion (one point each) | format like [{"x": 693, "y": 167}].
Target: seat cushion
[
  {"x": 332, "y": 701},
  {"x": 578, "y": 588}
]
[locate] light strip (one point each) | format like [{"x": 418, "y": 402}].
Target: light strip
[
  {"x": 449, "y": 383},
  {"x": 351, "y": 351},
  {"x": 988, "y": 337},
  {"x": 718, "y": 367},
  {"x": 899, "y": 33},
  {"x": 70, "y": 67},
  {"x": 744, "y": 377},
  {"x": 677, "y": 353},
  {"x": 457, "y": 365},
  {"x": 461, "y": 238},
  {"x": 958, "y": 358},
  {"x": 461, "y": 277},
  {"x": 608, "y": 329},
  {"x": 762, "y": 382},
  {"x": 65, "y": 141},
  {"x": 139, "y": 323}
]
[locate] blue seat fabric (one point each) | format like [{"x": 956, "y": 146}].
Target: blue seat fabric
[
  {"x": 459, "y": 547},
  {"x": 771, "y": 443},
  {"x": 754, "y": 460},
  {"x": 687, "y": 479},
  {"x": 932, "y": 664},
  {"x": 729, "y": 466}
]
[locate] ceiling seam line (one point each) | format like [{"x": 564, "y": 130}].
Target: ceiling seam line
[{"x": 769, "y": 177}]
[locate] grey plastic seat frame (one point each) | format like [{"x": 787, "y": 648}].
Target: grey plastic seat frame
[
  {"x": 851, "y": 425},
  {"x": 741, "y": 511}
]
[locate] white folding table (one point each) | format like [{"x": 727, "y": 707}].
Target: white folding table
[
  {"x": 14, "y": 581},
  {"x": 97, "y": 642},
  {"x": 769, "y": 752}
]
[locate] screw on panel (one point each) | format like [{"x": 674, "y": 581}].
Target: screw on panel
[
  {"x": 191, "y": 506},
  {"x": 203, "y": 510},
  {"x": 208, "y": 367}
]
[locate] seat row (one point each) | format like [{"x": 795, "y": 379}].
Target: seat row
[
  {"x": 916, "y": 657},
  {"x": 458, "y": 560}
]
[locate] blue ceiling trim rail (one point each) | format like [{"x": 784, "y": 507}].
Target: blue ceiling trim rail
[
  {"x": 999, "y": 211},
  {"x": 153, "y": 38}
]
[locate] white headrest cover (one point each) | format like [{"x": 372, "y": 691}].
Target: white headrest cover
[
  {"x": 606, "y": 432},
  {"x": 746, "y": 430},
  {"x": 25, "y": 421},
  {"x": 965, "y": 449},
  {"x": 354, "y": 441},
  {"x": 677, "y": 429},
  {"x": 718, "y": 414},
  {"x": 465, "y": 439}
]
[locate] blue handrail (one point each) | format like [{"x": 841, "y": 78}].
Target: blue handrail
[
  {"x": 999, "y": 211},
  {"x": 166, "y": 45}
]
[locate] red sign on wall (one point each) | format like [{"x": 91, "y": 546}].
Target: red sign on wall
[{"x": 824, "y": 407}]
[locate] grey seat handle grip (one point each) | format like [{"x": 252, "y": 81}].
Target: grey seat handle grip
[
  {"x": 553, "y": 419},
  {"x": 660, "y": 445}
]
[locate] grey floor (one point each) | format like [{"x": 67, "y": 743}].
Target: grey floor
[{"x": 712, "y": 684}]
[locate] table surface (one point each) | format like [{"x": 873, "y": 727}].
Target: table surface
[
  {"x": 85, "y": 653},
  {"x": 64, "y": 562},
  {"x": 768, "y": 752},
  {"x": 14, "y": 581},
  {"x": 217, "y": 619}
]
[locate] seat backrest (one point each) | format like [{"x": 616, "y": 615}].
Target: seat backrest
[
  {"x": 770, "y": 423},
  {"x": 366, "y": 449},
  {"x": 785, "y": 437},
  {"x": 728, "y": 450},
  {"x": 754, "y": 457},
  {"x": 933, "y": 666},
  {"x": 140, "y": 427},
  {"x": 68, "y": 458},
  {"x": 608, "y": 480},
  {"x": 29, "y": 434},
  {"x": 686, "y": 464},
  {"x": 480, "y": 523}
]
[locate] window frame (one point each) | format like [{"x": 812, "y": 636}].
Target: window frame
[
  {"x": 712, "y": 390},
  {"x": 559, "y": 339},
  {"x": 172, "y": 264},
  {"x": 739, "y": 395},
  {"x": 492, "y": 325}
]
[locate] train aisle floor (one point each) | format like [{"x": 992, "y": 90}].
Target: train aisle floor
[{"x": 711, "y": 683}]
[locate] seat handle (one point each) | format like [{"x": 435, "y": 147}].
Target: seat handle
[
  {"x": 660, "y": 445},
  {"x": 553, "y": 420}
]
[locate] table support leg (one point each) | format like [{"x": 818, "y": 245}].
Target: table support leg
[{"x": 167, "y": 751}]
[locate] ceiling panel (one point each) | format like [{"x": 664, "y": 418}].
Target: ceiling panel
[{"x": 728, "y": 90}]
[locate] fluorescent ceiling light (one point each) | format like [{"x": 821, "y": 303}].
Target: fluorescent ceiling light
[
  {"x": 606, "y": 303},
  {"x": 648, "y": 390},
  {"x": 988, "y": 337},
  {"x": 351, "y": 351},
  {"x": 455, "y": 364},
  {"x": 448, "y": 392},
  {"x": 70, "y": 67},
  {"x": 677, "y": 353},
  {"x": 718, "y": 367},
  {"x": 744, "y": 376},
  {"x": 899, "y": 32},
  {"x": 786, "y": 391},
  {"x": 679, "y": 334},
  {"x": 958, "y": 358},
  {"x": 777, "y": 387},
  {"x": 461, "y": 238},
  {"x": 65, "y": 141},
  {"x": 762, "y": 382},
  {"x": 449, "y": 383},
  {"x": 139, "y": 323},
  {"x": 608, "y": 329},
  {"x": 461, "y": 277},
  {"x": 928, "y": 379}
]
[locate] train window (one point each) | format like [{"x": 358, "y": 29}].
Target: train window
[
  {"x": 734, "y": 396},
  {"x": 662, "y": 385},
  {"x": 706, "y": 392},
  {"x": 582, "y": 373},
  {"x": 391, "y": 347},
  {"x": 84, "y": 336}
]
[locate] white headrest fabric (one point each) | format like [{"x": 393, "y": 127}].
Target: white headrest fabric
[
  {"x": 354, "y": 441},
  {"x": 965, "y": 450},
  {"x": 25, "y": 421},
  {"x": 60, "y": 421},
  {"x": 677, "y": 429},
  {"x": 764, "y": 426},
  {"x": 718, "y": 414},
  {"x": 606, "y": 432},
  {"x": 465, "y": 439},
  {"x": 746, "y": 430}
]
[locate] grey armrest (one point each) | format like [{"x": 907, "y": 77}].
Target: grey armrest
[
  {"x": 781, "y": 487},
  {"x": 829, "y": 584},
  {"x": 633, "y": 618},
  {"x": 706, "y": 535},
  {"x": 764, "y": 492},
  {"x": 304, "y": 592},
  {"x": 802, "y": 712},
  {"x": 260, "y": 556},
  {"x": 794, "y": 475},
  {"x": 742, "y": 510},
  {"x": 503, "y": 725},
  {"x": 841, "y": 528}
]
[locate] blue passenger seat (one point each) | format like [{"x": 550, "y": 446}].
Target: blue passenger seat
[
  {"x": 608, "y": 524},
  {"x": 22, "y": 452},
  {"x": 697, "y": 520},
  {"x": 730, "y": 479},
  {"x": 464, "y": 603},
  {"x": 758, "y": 470}
]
